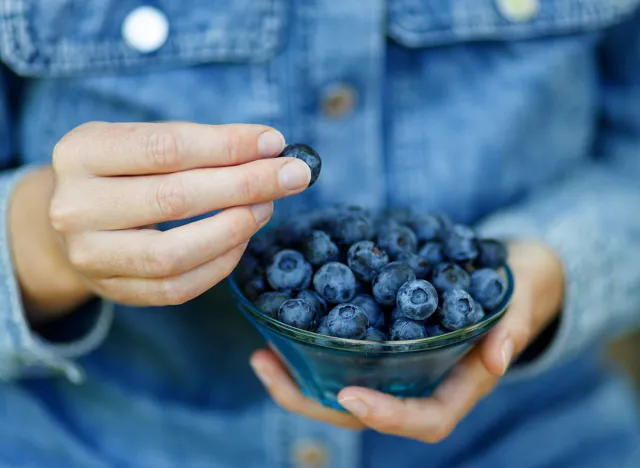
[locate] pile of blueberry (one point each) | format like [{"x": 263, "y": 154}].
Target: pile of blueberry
[{"x": 398, "y": 276}]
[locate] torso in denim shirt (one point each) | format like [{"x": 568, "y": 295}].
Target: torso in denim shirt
[{"x": 457, "y": 107}]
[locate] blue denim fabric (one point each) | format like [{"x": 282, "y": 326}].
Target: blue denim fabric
[{"x": 527, "y": 125}]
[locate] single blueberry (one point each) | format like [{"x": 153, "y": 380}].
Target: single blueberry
[
  {"x": 335, "y": 283},
  {"x": 270, "y": 302},
  {"x": 349, "y": 228},
  {"x": 365, "y": 259},
  {"x": 448, "y": 276},
  {"x": 323, "y": 329},
  {"x": 314, "y": 300},
  {"x": 478, "y": 313},
  {"x": 347, "y": 321},
  {"x": 493, "y": 254},
  {"x": 374, "y": 312},
  {"x": 432, "y": 253},
  {"x": 299, "y": 314},
  {"x": 406, "y": 330},
  {"x": 306, "y": 154},
  {"x": 397, "y": 240},
  {"x": 417, "y": 299},
  {"x": 388, "y": 281},
  {"x": 457, "y": 310},
  {"x": 292, "y": 232},
  {"x": 415, "y": 261},
  {"x": 461, "y": 244},
  {"x": 435, "y": 329},
  {"x": 289, "y": 270},
  {"x": 397, "y": 315},
  {"x": 247, "y": 268},
  {"x": 373, "y": 334},
  {"x": 319, "y": 249},
  {"x": 260, "y": 244},
  {"x": 427, "y": 227},
  {"x": 255, "y": 286},
  {"x": 488, "y": 287}
]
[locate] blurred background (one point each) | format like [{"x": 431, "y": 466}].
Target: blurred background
[{"x": 627, "y": 352}]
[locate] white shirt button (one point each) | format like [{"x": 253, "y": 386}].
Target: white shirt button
[
  {"x": 518, "y": 10},
  {"x": 145, "y": 29}
]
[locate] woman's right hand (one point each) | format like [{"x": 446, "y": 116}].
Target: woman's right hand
[{"x": 113, "y": 180}]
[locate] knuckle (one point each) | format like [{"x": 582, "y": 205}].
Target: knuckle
[
  {"x": 81, "y": 257},
  {"x": 163, "y": 150},
  {"x": 61, "y": 214},
  {"x": 170, "y": 198},
  {"x": 159, "y": 262},
  {"x": 246, "y": 188},
  {"x": 233, "y": 144}
]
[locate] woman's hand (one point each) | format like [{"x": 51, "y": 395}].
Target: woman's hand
[
  {"x": 536, "y": 301},
  {"x": 110, "y": 181}
]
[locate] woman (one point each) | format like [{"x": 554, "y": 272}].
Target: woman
[{"x": 522, "y": 117}]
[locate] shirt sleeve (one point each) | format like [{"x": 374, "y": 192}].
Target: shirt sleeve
[
  {"x": 23, "y": 352},
  {"x": 592, "y": 217}
]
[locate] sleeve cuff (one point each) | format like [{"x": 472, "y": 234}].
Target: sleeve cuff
[
  {"x": 23, "y": 352},
  {"x": 601, "y": 271}
]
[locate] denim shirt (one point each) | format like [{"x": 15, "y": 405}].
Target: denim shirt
[{"x": 522, "y": 117}]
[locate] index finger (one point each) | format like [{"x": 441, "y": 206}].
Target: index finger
[{"x": 122, "y": 149}]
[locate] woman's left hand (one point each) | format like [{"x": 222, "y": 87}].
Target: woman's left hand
[{"x": 539, "y": 290}]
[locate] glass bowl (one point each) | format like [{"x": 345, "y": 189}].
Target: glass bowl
[{"x": 323, "y": 365}]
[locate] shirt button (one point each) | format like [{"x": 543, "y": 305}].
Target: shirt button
[
  {"x": 145, "y": 29},
  {"x": 519, "y": 10},
  {"x": 309, "y": 454},
  {"x": 339, "y": 100}
]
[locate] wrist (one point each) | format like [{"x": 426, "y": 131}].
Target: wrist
[{"x": 49, "y": 285}]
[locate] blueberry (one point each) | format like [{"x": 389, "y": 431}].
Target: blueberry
[
  {"x": 448, "y": 276},
  {"x": 335, "y": 283},
  {"x": 314, "y": 300},
  {"x": 416, "y": 262},
  {"x": 347, "y": 321},
  {"x": 349, "y": 228},
  {"x": 299, "y": 314},
  {"x": 270, "y": 302},
  {"x": 478, "y": 313},
  {"x": 432, "y": 253},
  {"x": 373, "y": 334},
  {"x": 254, "y": 287},
  {"x": 291, "y": 233},
  {"x": 323, "y": 329},
  {"x": 384, "y": 224},
  {"x": 289, "y": 270},
  {"x": 388, "y": 281},
  {"x": 417, "y": 299},
  {"x": 435, "y": 329},
  {"x": 399, "y": 215},
  {"x": 406, "y": 330},
  {"x": 396, "y": 240},
  {"x": 374, "y": 312},
  {"x": 493, "y": 254},
  {"x": 427, "y": 227},
  {"x": 247, "y": 268},
  {"x": 397, "y": 315},
  {"x": 446, "y": 223},
  {"x": 461, "y": 244},
  {"x": 319, "y": 249},
  {"x": 488, "y": 287},
  {"x": 260, "y": 244},
  {"x": 365, "y": 259},
  {"x": 306, "y": 154},
  {"x": 457, "y": 309}
]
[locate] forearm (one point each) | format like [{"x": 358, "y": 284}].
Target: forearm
[{"x": 49, "y": 286}]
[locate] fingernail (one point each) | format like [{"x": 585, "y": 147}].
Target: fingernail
[
  {"x": 294, "y": 175},
  {"x": 270, "y": 143},
  {"x": 261, "y": 373},
  {"x": 262, "y": 211},
  {"x": 507, "y": 351},
  {"x": 355, "y": 406}
]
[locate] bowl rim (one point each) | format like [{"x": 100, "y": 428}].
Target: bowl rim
[{"x": 451, "y": 338}]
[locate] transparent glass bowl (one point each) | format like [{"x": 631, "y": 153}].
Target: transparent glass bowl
[{"x": 323, "y": 365}]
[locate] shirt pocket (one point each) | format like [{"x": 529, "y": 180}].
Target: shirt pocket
[
  {"x": 422, "y": 23},
  {"x": 71, "y": 37}
]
